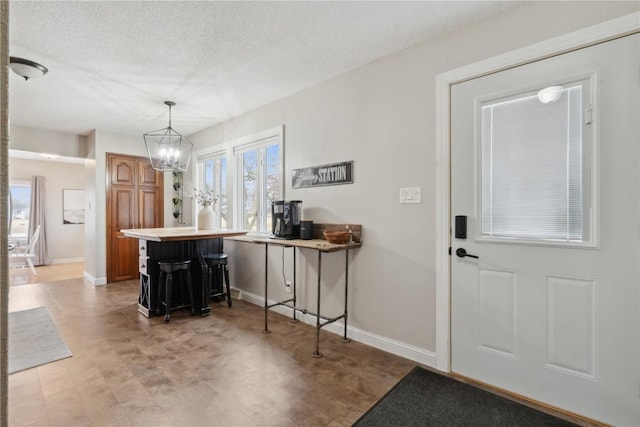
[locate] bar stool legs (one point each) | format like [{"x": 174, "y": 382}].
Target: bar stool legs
[
  {"x": 228, "y": 286},
  {"x": 165, "y": 285},
  {"x": 212, "y": 265}
]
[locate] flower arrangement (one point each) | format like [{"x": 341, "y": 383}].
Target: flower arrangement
[{"x": 204, "y": 198}]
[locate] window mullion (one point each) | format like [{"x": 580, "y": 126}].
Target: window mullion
[{"x": 260, "y": 184}]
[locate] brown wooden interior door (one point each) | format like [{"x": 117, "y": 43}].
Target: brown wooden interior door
[
  {"x": 124, "y": 250},
  {"x": 135, "y": 199}
]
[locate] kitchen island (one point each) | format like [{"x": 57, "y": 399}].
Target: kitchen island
[{"x": 173, "y": 243}]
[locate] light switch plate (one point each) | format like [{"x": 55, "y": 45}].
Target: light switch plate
[{"x": 410, "y": 195}]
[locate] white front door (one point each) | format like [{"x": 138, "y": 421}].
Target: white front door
[{"x": 549, "y": 184}]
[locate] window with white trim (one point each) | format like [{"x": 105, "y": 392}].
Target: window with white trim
[
  {"x": 259, "y": 183},
  {"x": 246, "y": 174},
  {"x": 212, "y": 176},
  {"x": 19, "y": 209},
  {"x": 536, "y": 155}
]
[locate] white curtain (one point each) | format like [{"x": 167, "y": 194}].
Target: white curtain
[{"x": 37, "y": 217}]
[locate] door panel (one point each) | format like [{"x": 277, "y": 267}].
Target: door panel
[
  {"x": 497, "y": 310},
  {"x": 122, "y": 171},
  {"x": 558, "y": 322},
  {"x": 571, "y": 325},
  {"x": 147, "y": 176},
  {"x": 124, "y": 250},
  {"x": 148, "y": 207},
  {"x": 125, "y": 265},
  {"x": 123, "y": 213}
]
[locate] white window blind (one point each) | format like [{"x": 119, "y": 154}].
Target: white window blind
[{"x": 533, "y": 184}]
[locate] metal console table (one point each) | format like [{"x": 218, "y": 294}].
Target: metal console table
[{"x": 321, "y": 246}]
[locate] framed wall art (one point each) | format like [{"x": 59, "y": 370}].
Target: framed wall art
[{"x": 72, "y": 206}]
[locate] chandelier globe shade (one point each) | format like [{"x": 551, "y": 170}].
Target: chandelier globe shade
[{"x": 167, "y": 149}]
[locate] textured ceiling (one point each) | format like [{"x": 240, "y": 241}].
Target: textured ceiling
[{"x": 112, "y": 64}]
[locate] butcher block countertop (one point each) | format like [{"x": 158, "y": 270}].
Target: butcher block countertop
[
  {"x": 317, "y": 244},
  {"x": 171, "y": 234}
]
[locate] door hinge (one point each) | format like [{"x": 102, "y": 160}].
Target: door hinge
[{"x": 449, "y": 250}]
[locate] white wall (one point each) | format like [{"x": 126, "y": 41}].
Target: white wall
[
  {"x": 90, "y": 227},
  {"x": 50, "y": 142},
  {"x": 382, "y": 116},
  {"x": 65, "y": 241}
]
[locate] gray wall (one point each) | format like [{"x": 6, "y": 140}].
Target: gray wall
[{"x": 382, "y": 116}]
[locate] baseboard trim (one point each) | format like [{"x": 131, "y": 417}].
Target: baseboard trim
[
  {"x": 66, "y": 260},
  {"x": 419, "y": 355},
  {"x": 95, "y": 281}
]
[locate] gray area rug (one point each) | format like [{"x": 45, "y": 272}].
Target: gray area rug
[
  {"x": 424, "y": 398},
  {"x": 34, "y": 339}
]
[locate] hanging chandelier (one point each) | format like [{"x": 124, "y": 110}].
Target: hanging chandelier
[{"x": 167, "y": 149}]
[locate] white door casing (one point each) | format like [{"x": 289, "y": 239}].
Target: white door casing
[
  {"x": 624, "y": 25},
  {"x": 556, "y": 322},
  {"x": 595, "y": 34}
]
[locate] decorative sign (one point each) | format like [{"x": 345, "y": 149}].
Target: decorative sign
[{"x": 316, "y": 176}]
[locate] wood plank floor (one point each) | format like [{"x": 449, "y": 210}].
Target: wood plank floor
[
  {"x": 46, "y": 273},
  {"x": 129, "y": 370}
]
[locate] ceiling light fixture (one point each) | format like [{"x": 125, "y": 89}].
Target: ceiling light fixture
[
  {"x": 167, "y": 149},
  {"x": 26, "y": 68}
]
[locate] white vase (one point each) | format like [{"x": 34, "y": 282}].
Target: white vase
[{"x": 206, "y": 218}]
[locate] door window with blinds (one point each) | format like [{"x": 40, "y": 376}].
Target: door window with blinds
[{"x": 536, "y": 166}]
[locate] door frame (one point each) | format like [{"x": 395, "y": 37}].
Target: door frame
[{"x": 599, "y": 33}]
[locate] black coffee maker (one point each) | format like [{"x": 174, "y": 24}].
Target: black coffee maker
[{"x": 285, "y": 219}]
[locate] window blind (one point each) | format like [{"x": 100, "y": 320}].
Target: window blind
[{"x": 532, "y": 167}]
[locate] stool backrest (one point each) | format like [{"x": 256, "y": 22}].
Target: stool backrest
[
  {"x": 218, "y": 247},
  {"x": 211, "y": 246}
]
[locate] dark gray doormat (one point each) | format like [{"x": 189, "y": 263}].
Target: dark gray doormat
[
  {"x": 34, "y": 339},
  {"x": 424, "y": 398}
]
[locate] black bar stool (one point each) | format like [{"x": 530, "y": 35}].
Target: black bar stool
[
  {"x": 214, "y": 264},
  {"x": 165, "y": 284}
]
